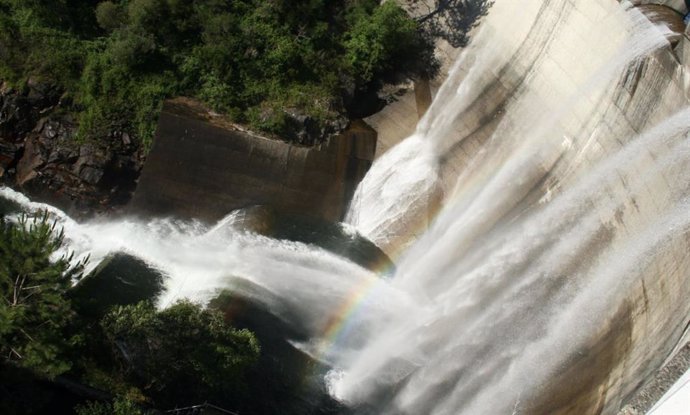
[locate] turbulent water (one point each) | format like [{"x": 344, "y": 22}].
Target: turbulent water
[
  {"x": 298, "y": 282},
  {"x": 538, "y": 217}
]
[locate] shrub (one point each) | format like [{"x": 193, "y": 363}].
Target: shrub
[
  {"x": 381, "y": 41},
  {"x": 182, "y": 354},
  {"x": 121, "y": 406}
]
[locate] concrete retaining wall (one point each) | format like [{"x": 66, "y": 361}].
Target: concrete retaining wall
[{"x": 203, "y": 167}]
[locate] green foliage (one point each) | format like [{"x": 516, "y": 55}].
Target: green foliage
[
  {"x": 117, "y": 96},
  {"x": 121, "y": 406},
  {"x": 147, "y": 14},
  {"x": 381, "y": 41},
  {"x": 255, "y": 60},
  {"x": 34, "y": 312},
  {"x": 181, "y": 354},
  {"x": 66, "y": 15},
  {"x": 110, "y": 16}
]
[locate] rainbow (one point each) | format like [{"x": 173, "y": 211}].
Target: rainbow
[{"x": 340, "y": 324}]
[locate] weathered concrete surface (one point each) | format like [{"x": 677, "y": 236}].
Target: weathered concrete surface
[
  {"x": 395, "y": 121},
  {"x": 398, "y": 119},
  {"x": 662, "y": 381},
  {"x": 541, "y": 67},
  {"x": 668, "y": 17},
  {"x": 649, "y": 325},
  {"x": 422, "y": 95},
  {"x": 203, "y": 167}
]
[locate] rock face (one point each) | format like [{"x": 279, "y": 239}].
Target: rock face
[
  {"x": 40, "y": 155},
  {"x": 20, "y": 110},
  {"x": 303, "y": 129},
  {"x": 201, "y": 166}
]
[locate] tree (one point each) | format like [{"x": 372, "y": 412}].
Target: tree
[
  {"x": 451, "y": 20},
  {"x": 34, "y": 310},
  {"x": 109, "y": 15},
  {"x": 181, "y": 355},
  {"x": 120, "y": 406},
  {"x": 382, "y": 41}
]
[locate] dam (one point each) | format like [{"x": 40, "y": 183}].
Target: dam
[
  {"x": 537, "y": 216},
  {"x": 541, "y": 116},
  {"x": 202, "y": 167}
]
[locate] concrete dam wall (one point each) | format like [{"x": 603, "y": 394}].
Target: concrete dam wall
[
  {"x": 556, "y": 278},
  {"x": 651, "y": 322},
  {"x": 549, "y": 93},
  {"x": 203, "y": 167}
]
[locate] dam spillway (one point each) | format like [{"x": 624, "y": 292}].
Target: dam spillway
[
  {"x": 202, "y": 166},
  {"x": 538, "y": 218},
  {"x": 556, "y": 162}
]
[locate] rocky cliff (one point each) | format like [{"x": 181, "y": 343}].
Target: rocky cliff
[{"x": 40, "y": 155}]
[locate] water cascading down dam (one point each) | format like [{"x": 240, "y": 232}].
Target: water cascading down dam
[
  {"x": 538, "y": 219},
  {"x": 555, "y": 277}
]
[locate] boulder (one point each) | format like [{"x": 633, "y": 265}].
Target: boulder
[{"x": 91, "y": 175}]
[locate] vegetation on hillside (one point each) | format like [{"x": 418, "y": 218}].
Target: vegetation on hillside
[
  {"x": 35, "y": 312},
  {"x": 270, "y": 64},
  {"x": 120, "y": 406},
  {"x": 179, "y": 356}
]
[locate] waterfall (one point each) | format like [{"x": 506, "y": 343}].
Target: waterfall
[
  {"x": 560, "y": 153},
  {"x": 539, "y": 218}
]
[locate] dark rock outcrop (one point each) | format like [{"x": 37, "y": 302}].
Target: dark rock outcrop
[
  {"x": 20, "y": 110},
  {"x": 120, "y": 279},
  {"x": 201, "y": 166},
  {"x": 40, "y": 155}
]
